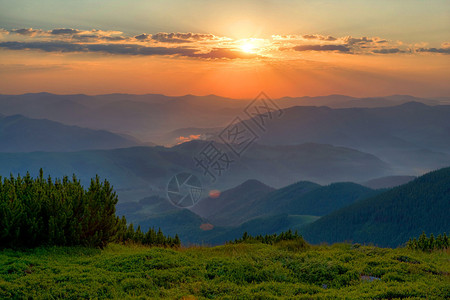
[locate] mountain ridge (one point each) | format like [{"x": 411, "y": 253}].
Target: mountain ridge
[
  {"x": 392, "y": 217},
  {"x": 22, "y": 134}
]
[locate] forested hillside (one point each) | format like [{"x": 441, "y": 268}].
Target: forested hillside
[
  {"x": 45, "y": 212},
  {"x": 307, "y": 198},
  {"x": 390, "y": 218}
]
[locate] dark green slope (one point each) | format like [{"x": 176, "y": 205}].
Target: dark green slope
[
  {"x": 328, "y": 198},
  {"x": 231, "y": 206},
  {"x": 307, "y": 198},
  {"x": 390, "y": 218},
  {"x": 277, "y": 201}
]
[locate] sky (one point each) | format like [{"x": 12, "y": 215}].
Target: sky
[{"x": 229, "y": 48}]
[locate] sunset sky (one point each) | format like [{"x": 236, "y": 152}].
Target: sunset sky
[{"x": 228, "y": 48}]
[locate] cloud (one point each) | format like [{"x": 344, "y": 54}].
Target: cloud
[
  {"x": 45, "y": 46},
  {"x": 319, "y": 37},
  {"x": 65, "y": 31},
  {"x": 357, "y": 41},
  {"x": 388, "y": 51},
  {"x": 26, "y": 31},
  {"x": 124, "y": 49},
  {"x": 181, "y": 37},
  {"x": 197, "y": 45},
  {"x": 434, "y": 50},
  {"x": 184, "y": 139},
  {"x": 285, "y": 37},
  {"x": 143, "y": 37},
  {"x": 114, "y": 38},
  {"x": 3, "y": 32},
  {"x": 129, "y": 49},
  {"x": 340, "y": 48}
]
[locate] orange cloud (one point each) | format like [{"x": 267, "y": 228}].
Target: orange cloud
[
  {"x": 195, "y": 45},
  {"x": 183, "y": 139},
  {"x": 95, "y": 61}
]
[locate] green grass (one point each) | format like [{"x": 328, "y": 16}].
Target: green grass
[{"x": 239, "y": 271}]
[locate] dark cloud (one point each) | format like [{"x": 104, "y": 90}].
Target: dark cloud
[
  {"x": 319, "y": 37},
  {"x": 340, "y": 48},
  {"x": 133, "y": 49},
  {"x": 96, "y": 38},
  {"x": 128, "y": 49},
  {"x": 123, "y": 49},
  {"x": 143, "y": 37},
  {"x": 26, "y": 31},
  {"x": 65, "y": 31},
  {"x": 388, "y": 51},
  {"x": 44, "y": 46},
  {"x": 434, "y": 50},
  {"x": 181, "y": 37},
  {"x": 113, "y": 38},
  {"x": 357, "y": 41},
  {"x": 85, "y": 37}
]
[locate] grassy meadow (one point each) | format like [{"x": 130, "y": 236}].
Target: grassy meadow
[{"x": 285, "y": 270}]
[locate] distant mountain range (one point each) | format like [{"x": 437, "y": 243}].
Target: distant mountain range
[
  {"x": 334, "y": 213},
  {"x": 408, "y": 133},
  {"x": 21, "y": 134},
  {"x": 146, "y": 117},
  {"x": 342, "y": 101},
  {"x": 152, "y": 117},
  {"x": 142, "y": 171},
  {"x": 299, "y": 173},
  {"x": 412, "y": 138},
  {"x": 410, "y": 125}
]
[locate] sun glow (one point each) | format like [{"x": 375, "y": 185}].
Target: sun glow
[{"x": 248, "y": 47}]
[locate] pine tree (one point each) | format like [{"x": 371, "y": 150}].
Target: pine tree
[
  {"x": 445, "y": 241},
  {"x": 431, "y": 242},
  {"x": 160, "y": 239},
  {"x": 177, "y": 241},
  {"x": 50, "y": 211},
  {"x": 423, "y": 242},
  {"x": 439, "y": 242}
]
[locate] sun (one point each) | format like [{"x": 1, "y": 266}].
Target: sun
[
  {"x": 251, "y": 45},
  {"x": 248, "y": 47}
]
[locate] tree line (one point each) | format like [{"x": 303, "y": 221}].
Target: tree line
[
  {"x": 431, "y": 243},
  {"x": 270, "y": 238},
  {"x": 42, "y": 211}
]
